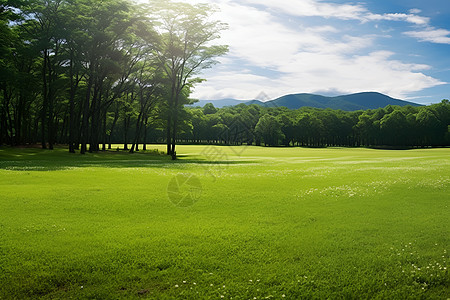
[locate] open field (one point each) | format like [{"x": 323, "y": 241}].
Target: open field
[{"x": 256, "y": 223}]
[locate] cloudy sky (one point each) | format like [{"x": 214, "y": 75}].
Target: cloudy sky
[{"x": 332, "y": 47}]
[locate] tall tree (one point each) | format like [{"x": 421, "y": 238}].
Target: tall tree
[
  {"x": 107, "y": 26},
  {"x": 185, "y": 50},
  {"x": 269, "y": 129}
]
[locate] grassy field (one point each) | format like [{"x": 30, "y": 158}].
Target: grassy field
[{"x": 225, "y": 222}]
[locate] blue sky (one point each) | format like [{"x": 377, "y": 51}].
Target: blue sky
[{"x": 400, "y": 48}]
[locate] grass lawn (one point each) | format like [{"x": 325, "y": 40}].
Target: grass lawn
[{"x": 225, "y": 222}]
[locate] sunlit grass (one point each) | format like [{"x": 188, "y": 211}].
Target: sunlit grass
[{"x": 269, "y": 223}]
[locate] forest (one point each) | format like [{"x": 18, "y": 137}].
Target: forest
[
  {"x": 90, "y": 74},
  {"x": 76, "y": 71},
  {"x": 397, "y": 126}
]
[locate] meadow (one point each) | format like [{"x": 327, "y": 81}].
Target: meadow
[{"x": 225, "y": 223}]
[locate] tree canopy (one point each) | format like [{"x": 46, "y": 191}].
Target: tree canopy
[
  {"x": 392, "y": 126},
  {"x": 89, "y": 73},
  {"x": 72, "y": 71}
]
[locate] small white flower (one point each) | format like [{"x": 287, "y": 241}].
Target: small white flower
[{"x": 176, "y": 285}]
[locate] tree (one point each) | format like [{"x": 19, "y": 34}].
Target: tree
[
  {"x": 310, "y": 129},
  {"x": 185, "y": 49},
  {"x": 269, "y": 130},
  {"x": 394, "y": 126},
  {"x": 209, "y": 109},
  {"x": 287, "y": 127},
  {"x": 429, "y": 126}
]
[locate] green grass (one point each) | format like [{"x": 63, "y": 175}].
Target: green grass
[{"x": 269, "y": 223}]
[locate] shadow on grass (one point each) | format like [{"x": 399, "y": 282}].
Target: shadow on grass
[{"x": 20, "y": 159}]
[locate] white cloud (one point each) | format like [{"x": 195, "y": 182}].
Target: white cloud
[
  {"x": 314, "y": 8},
  {"x": 253, "y": 36},
  {"x": 278, "y": 57},
  {"x": 325, "y": 28},
  {"x": 235, "y": 84},
  {"x": 431, "y": 34},
  {"x": 415, "y": 11},
  {"x": 410, "y": 18},
  {"x": 317, "y": 8},
  {"x": 316, "y": 72}
]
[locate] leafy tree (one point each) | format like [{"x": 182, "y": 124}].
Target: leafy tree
[
  {"x": 288, "y": 128},
  {"x": 184, "y": 50},
  {"x": 209, "y": 109},
  {"x": 269, "y": 130},
  {"x": 393, "y": 126},
  {"x": 429, "y": 126}
]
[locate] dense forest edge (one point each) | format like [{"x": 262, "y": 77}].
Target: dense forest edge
[
  {"x": 391, "y": 126},
  {"x": 89, "y": 74}
]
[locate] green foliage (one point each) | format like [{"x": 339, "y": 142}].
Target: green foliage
[
  {"x": 209, "y": 109},
  {"x": 184, "y": 50},
  {"x": 269, "y": 131},
  {"x": 393, "y": 126},
  {"x": 86, "y": 72}
]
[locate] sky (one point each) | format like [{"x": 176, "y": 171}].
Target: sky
[{"x": 330, "y": 47}]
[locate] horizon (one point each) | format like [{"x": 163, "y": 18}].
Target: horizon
[
  {"x": 328, "y": 96},
  {"x": 398, "y": 48}
]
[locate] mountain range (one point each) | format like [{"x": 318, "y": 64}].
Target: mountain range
[{"x": 351, "y": 102}]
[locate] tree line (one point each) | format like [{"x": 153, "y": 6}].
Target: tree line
[
  {"x": 76, "y": 71},
  {"x": 393, "y": 126},
  {"x": 90, "y": 74}
]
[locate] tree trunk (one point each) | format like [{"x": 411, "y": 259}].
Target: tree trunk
[
  {"x": 73, "y": 89},
  {"x": 85, "y": 121},
  {"x": 51, "y": 96},
  {"x": 168, "y": 137},
  {"x": 126, "y": 127},
  {"x": 144, "y": 139},
  {"x": 44, "y": 102},
  {"x": 94, "y": 111},
  {"x": 103, "y": 132},
  {"x": 116, "y": 117},
  {"x": 136, "y": 133}
]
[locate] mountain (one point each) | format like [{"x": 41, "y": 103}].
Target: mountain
[
  {"x": 363, "y": 101},
  {"x": 220, "y": 103},
  {"x": 358, "y": 101}
]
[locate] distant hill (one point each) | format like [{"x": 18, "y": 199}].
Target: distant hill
[
  {"x": 220, "y": 103},
  {"x": 358, "y": 101}
]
